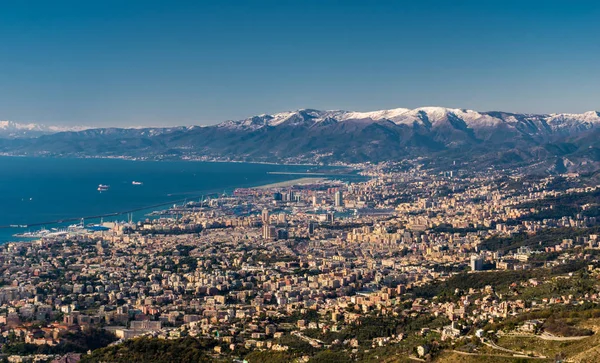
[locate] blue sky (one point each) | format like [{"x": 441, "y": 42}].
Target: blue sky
[{"x": 126, "y": 63}]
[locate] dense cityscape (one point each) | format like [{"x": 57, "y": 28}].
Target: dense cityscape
[
  {"x": 406, "y": 264},
  {"x": 310, "y": 181}
]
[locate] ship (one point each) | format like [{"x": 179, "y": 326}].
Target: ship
[
  {"x": 136, "y": 183},
  {"x": 103, "y": 188}
]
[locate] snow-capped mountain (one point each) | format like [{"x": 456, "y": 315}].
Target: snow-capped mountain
[
  {"x": 308, "y": 135},
  {"x": 427, "y": 117},
  {"x": 10, "y": 129}
]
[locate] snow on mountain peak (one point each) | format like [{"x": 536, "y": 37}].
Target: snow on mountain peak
[
  {"x": 15, "y": 129},
  {"x": 430, "y": 116},
  {"x": 374, "y": 115}
]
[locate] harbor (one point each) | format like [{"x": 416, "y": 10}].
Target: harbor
[
  {"x": 66, "y": 190},
  {"x": 172, "y": 208},
  {"x": 95, "y": 217}
]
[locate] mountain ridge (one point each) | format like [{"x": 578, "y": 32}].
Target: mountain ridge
[
  {"x": 17, "y": 129},
  {"x": 556, "y": 141},
  {"x": 397, "y": 115},
  {"x": 409, "y": 116}
]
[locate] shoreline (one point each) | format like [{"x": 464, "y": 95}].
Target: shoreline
[
  {"x": 301, "y": 173},
  {"x": 289, "y": 183},
  {"x": 111, "y": 214},
  {"x": 127, "y": 158}
]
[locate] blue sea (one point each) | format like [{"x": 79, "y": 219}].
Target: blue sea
[{"x": 41, "y": 190}]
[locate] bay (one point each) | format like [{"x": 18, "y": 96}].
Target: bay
[{"x": 40, "y": 190}]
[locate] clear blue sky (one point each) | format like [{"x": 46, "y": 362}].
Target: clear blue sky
[{"x": 128, "y": 62}]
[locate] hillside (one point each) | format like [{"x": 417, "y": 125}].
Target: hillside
[{"x": 558, "y": 142}]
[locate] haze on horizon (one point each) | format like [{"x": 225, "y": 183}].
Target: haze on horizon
[{"x": 133, "y": 63}]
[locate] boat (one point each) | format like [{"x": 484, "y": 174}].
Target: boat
[
  {"x": 103, "y": 188},
  {"x": 136, "y": 183}
]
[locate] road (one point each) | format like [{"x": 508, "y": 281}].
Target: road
[
  {"x": 513, "y": 352},
  {"x": 545, "y": 336}
]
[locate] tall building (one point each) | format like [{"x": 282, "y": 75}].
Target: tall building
[
  {"x": 330, "y": 217},
  {"x": 269, "y": 232},
  {"x": 281, "y": 218},
  {"x": 289, "y": 196},
  {"x": 339, "y": 201},
  {"x": 314, "y": 200},
  {"x": 476, "y": 263},
  {"x": 311, "y": 228},
  {"x": 265, "y": 216},
  {"x": 400, "y": 289}
]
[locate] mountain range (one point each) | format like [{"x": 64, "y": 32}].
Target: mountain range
[
  {"x": 10, "y": 129},
  {"x": 557, "y": 141}
]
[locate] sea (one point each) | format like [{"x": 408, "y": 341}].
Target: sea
[{"x": 42, "y": 191}]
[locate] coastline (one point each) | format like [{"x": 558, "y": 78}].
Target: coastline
[
  {"x": 289, "y": 183},
  {"x": 185, "y": 159},
  {"x": 298, "y": 173},
  {"x": 140, "y": 212},
  {"x": 282, "y": 184}
]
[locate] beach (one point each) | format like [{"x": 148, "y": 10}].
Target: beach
[{"x": 290, "y": 183}]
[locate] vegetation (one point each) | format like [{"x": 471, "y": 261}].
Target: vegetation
[
  {"x": 79, "y": 342},
  {"x": 154, "y": 350},
  {"x": 328, "y": 356},
  {"x": 266, "y": 356},
  {"x": 501, "y": 281},
  {"x": 563, "y": 205},
  {"x": 563, "y": 329},
  {"x": 445, "y": 290},
  {"x": 544, "y": 238}
]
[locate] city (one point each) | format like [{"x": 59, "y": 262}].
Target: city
[
  {"x": 451, "y": 261},
  {"x": 268, "y": 181}
]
